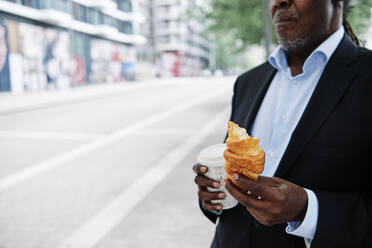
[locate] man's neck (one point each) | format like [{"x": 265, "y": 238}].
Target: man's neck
[
  {"x": 296, "y": 62},
  {"x": 296, "y": 59}
]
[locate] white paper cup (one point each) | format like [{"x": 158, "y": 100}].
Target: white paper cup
[{"x": 212, "y": 157}]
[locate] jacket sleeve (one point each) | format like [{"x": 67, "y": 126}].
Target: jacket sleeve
[
  {"x": 211, "y": 216},
  {"x": 345, "y": 220}
]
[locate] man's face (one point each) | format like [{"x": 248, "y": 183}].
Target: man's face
[{"x": 301, "y": 24}]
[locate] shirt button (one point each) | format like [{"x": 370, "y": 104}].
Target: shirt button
[
  {"x": 294, "y": 82},
  {"x": 284, "y": 117},
  {"x": 272, "y": 154}
]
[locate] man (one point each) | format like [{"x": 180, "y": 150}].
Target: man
[{"x": 309, "y": 105}]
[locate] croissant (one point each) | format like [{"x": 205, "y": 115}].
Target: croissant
[{"x": 243, "y": 155}]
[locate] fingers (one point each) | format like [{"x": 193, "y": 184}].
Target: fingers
[
  {"x": 264, "y": 187},
  {"x": 203, "y": 181},
  {"x": 210, "y": 206},
  {"x": 252, "y": 187},
  {"x": 242, "y": 197},
  {"x": 205, "y": 195},
  {"x": 199, "y": 169}
]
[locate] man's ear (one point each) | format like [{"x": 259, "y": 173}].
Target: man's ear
[
  {"x": 338, "y": 3},
  {"x": 338, "y": 11}
]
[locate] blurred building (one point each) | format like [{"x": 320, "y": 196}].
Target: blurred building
[
  {"x": 180, "y": 49},
  {"x": 146, "y": 52},
  {"x": 62, "y": 43}
]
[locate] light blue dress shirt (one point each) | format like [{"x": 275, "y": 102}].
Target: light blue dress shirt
[{"x": 280, "y": 112}]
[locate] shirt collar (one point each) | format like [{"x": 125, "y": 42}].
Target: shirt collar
[{"x": 278, "y": 58}]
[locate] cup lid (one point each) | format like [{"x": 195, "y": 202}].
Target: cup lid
[{"x": 212, "y": 155}]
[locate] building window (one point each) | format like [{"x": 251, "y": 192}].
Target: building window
[
  {"x": 164, "y": 39},
  {"x": 79, "y": 12},
  {"x": 93, "y": 16},
  {"x": 126, "y": 27},
  {"x": 176, "y": 39},
  {"x": 124, "y": 5},
  {"x": 61, "y": 5},
  {"x": 165, "y": 9},
  {"x": 28, "y": 3},
  {"x": 78, "y": 44},
  {"x": 108, "y": 20},
  {"x": 164, "y": 24},
  {"x": 15, "y": 1}
]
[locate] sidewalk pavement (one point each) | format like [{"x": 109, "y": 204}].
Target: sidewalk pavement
[{"x": 19, "y": 102}]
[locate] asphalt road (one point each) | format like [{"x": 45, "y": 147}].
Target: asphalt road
[{"x": 112, "y": 170}]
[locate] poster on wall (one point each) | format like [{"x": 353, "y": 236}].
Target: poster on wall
[
  {"x": 4, "y": 59},
  {"x": 31, "y": 41},
  {"x": 79, "y": 75},
  {"x": 107, "y": 58},
  {"x": 57, "y": 65},
  {"x": 170, "y": 64},
  {"x": 112, "y": 62},
  {"x": 39, "y": 57}
]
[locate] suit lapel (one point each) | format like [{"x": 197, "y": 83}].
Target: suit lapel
[
  {"x": 261, "y": 90},
  {"x": 334, "y": 81}
]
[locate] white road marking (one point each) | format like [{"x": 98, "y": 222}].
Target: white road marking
[
  {"x": 99, "y": 226},
  {"x": 87, "y": 136},
  {"x": 49, "y": 135},
  {"x": 42, "y": 167},
  {"x": 172, "y": 131}
]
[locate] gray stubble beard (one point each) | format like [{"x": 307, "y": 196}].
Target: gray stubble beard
[{"x": 291, "y": 44}]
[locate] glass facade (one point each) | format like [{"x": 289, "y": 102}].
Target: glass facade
[
  {"x": 61, "y": 5},
  {"x": 53, "y": 56},
  {"x": 28, "y": 3},
  {"x": 83, "y": 13}
]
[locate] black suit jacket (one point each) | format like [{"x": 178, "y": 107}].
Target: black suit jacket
[{"x": 329, "y": 153}]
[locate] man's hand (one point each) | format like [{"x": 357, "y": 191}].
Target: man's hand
[
  {"x": 270, "y": 200},
  {"x": 204, "y": 195}
]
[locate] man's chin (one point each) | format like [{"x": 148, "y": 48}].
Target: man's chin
[{"x": 291, "y": 44}]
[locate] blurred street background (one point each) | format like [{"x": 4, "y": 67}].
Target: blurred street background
[
  {"x": 104, "y": 106},
  {"x": 110, "y": 166}
]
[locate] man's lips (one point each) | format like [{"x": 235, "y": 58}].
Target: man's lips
[
  {"x": 284, "y": 21},
  {"x": 283, "y": 17}
]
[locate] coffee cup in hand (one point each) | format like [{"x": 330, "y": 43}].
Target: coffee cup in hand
[{"x": 212, "y": 157}]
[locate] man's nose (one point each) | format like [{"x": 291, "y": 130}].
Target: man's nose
[{"x": 281, "y": 3}]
